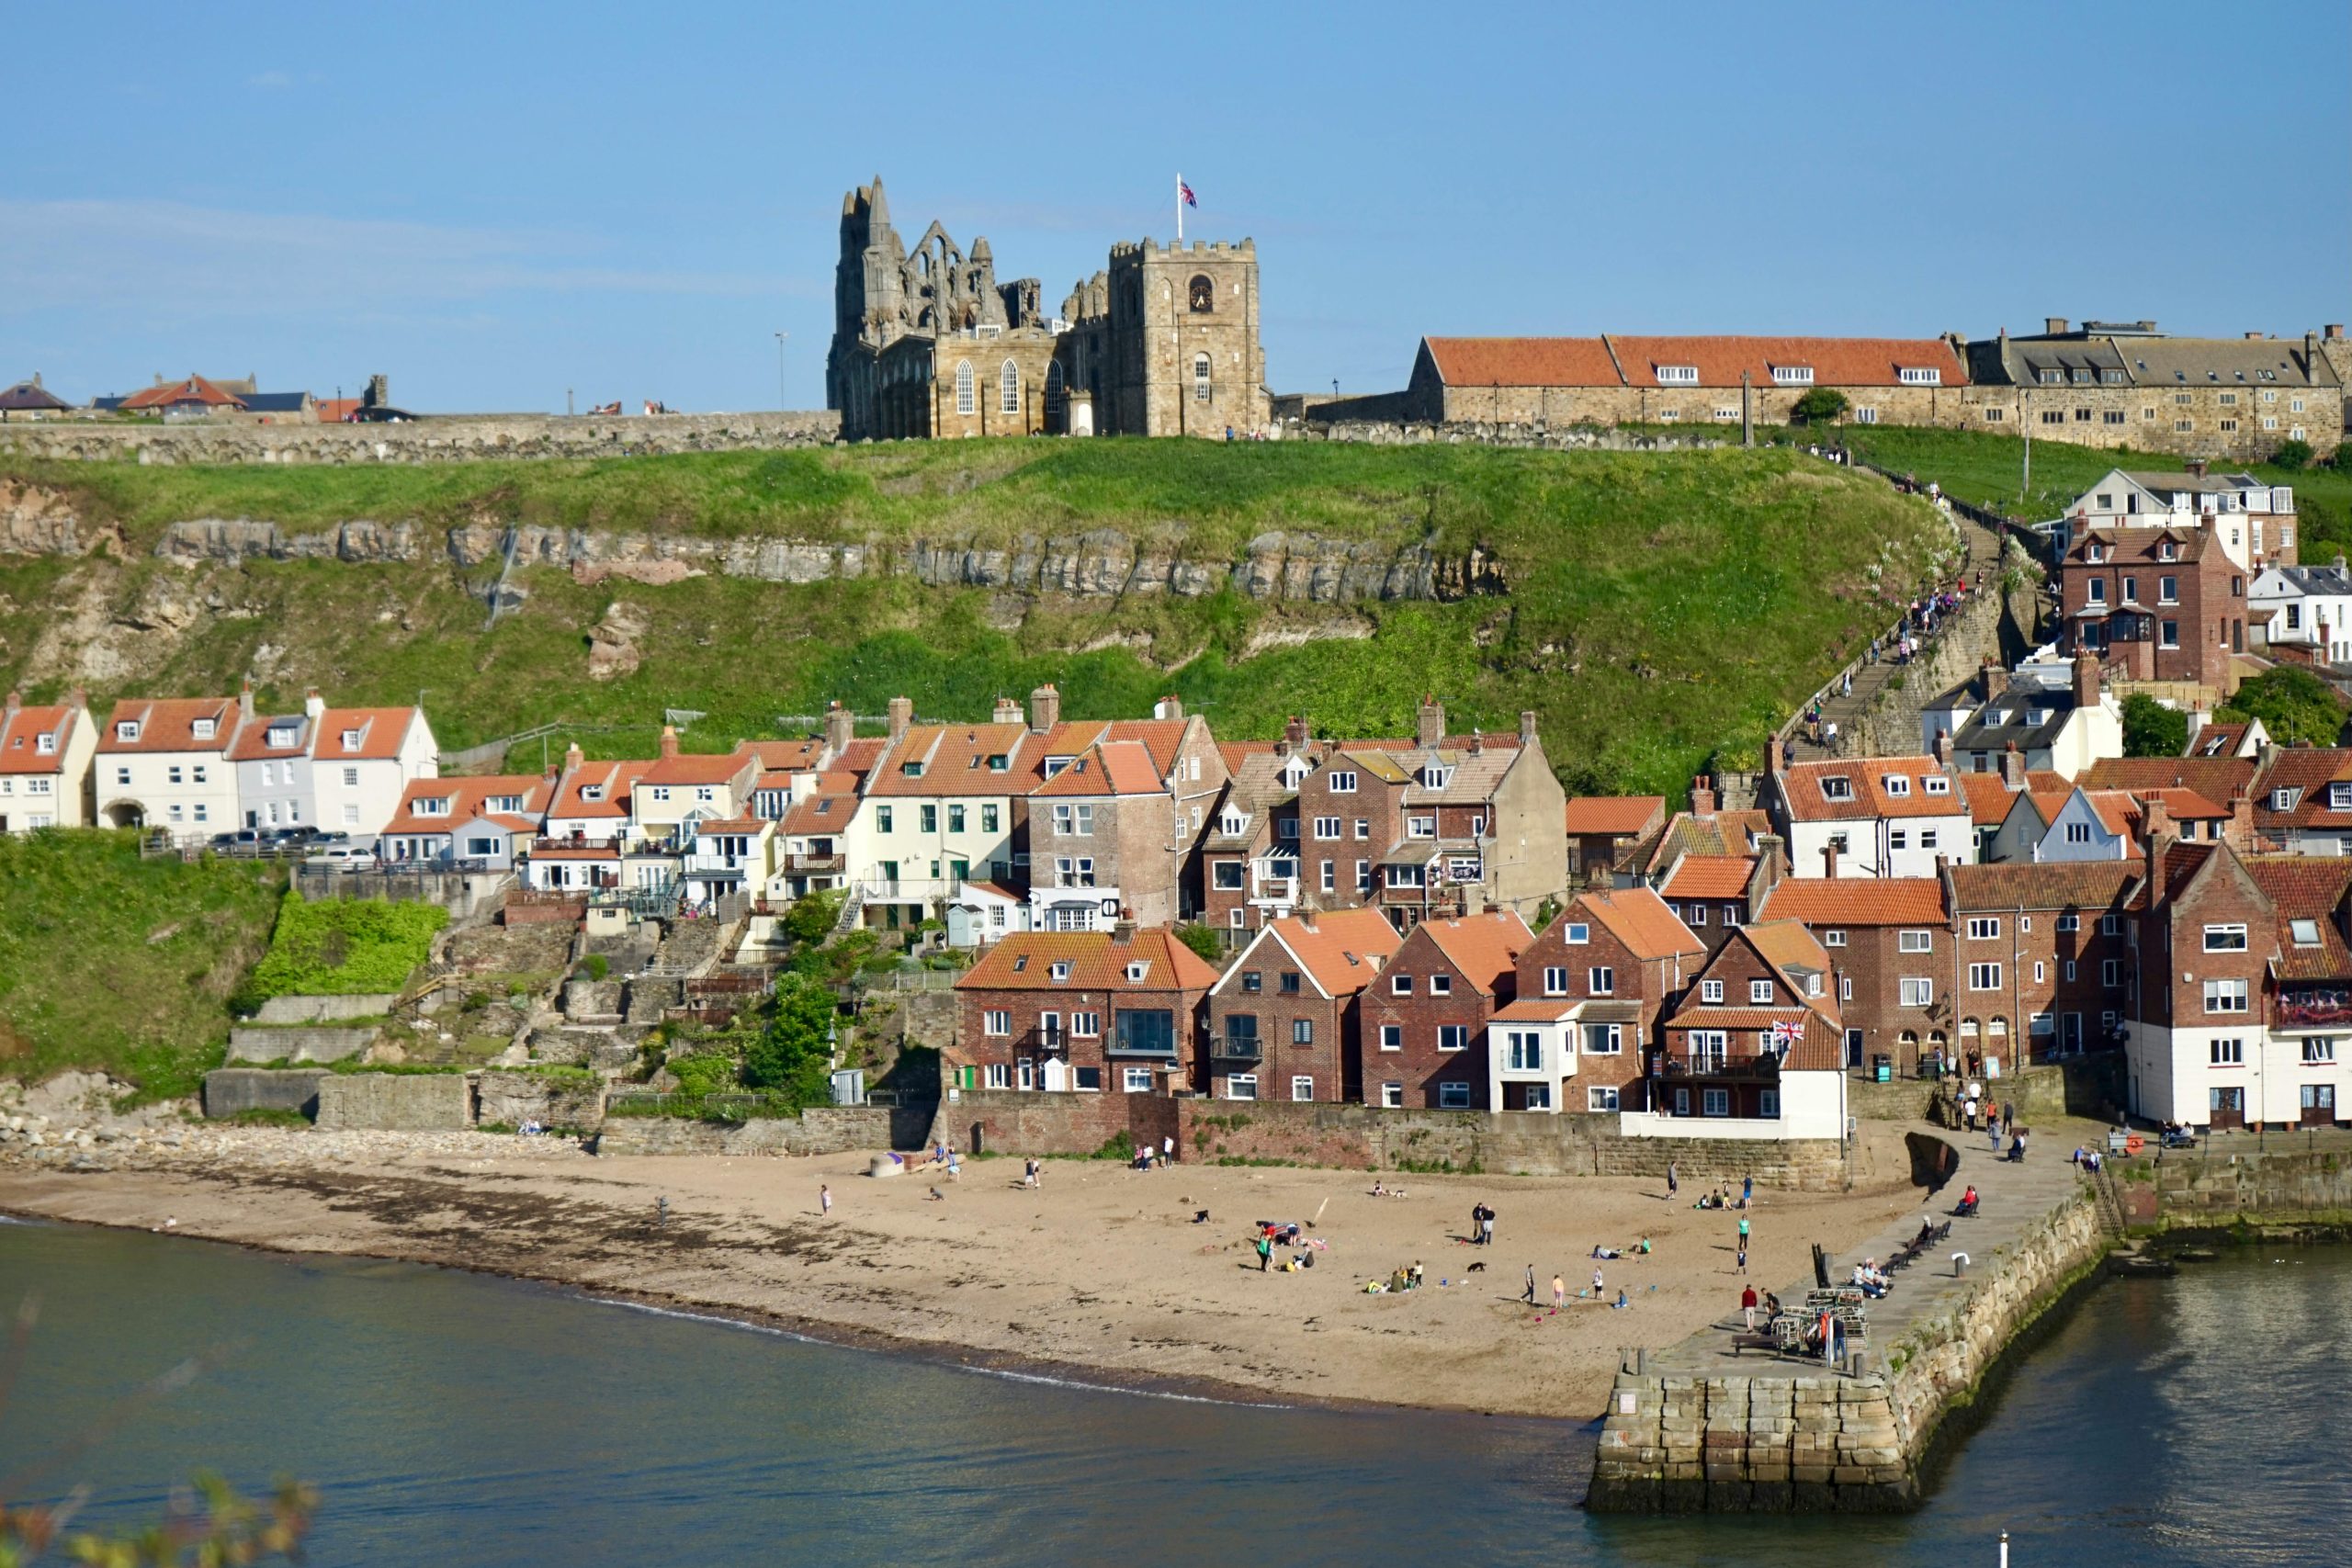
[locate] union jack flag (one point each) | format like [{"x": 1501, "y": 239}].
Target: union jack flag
[{"x": 1190, "y": 200}]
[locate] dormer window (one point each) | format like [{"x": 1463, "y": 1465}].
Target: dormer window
[
  {"x": 128, "y": 730},
  {"x": 280, "y": 739},
  {"x": 351, "y": 740},
  {"x": 2339, "y": 797},
  {"x": 1792, "y": 375},
  {"x": 1233, "y": 825},
  {"x": 45, "y": 744},
  {"x": 2094, "y": 552},
  {"x": 1136, "y": 971},
  {"x": 202, "y": 728},
  {"x": 1936, "y": 784},
  {"x": 1054, "y": 765},
  {"x": 2165, "y": 551},
  {"x": 1898, "y": 786},
  {"x": 999, "y": 762},
  {"x": 2284, "y": 799},
  {"x": 1678, "y": 375},
  {"x": 592, "y": 791},
  {"x": 505, "y": 803},
  {"x": 1292, "y": 772},
  {"x": 2039, "y": 715},
  {"x": 1061, "y": 969},
  {"x": 433, "y": 806},
  {"x": 1435, "y": 777},
  {"x": 1919, "y": 376},
  {"x": 1836, "y": 786}
]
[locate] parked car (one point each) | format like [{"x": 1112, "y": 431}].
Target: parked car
[
  {"x": 243, "y": 841},
  {"x": 341, "y": 858},
  {"x": 291, "y": 838}
]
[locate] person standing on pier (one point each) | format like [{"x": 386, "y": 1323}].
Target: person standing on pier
[{"x": 1747, "y": 1307}]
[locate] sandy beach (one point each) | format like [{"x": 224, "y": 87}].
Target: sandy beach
[{"x": 1101, "y": 1269}]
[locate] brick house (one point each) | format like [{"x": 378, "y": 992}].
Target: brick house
[
  {"x": 1889, "y": 945},
  {"x": 1425, "y": 1017},
  {"x": 2059, "y": 939},
  {"x": 2304, "y": 1077},
  {"x": 2197, "y": 1025},
  {"x": 1248, "y": 850},
  {"x": 1713, "y": 895},
  {"x": 1284, "y": 1018},
  {"x": 1114, "y": 1010},
  {"x": 1591, "y": 988},
  {"x": 2154, "y": 605},
  {"x": 2254, "y": 520},
  {"x": 1604, "y": 832},
  {"x": 1755, "y": 1049},
  {"x": 2303, "y": 802},
  {"x": 1114, "y": 811}
]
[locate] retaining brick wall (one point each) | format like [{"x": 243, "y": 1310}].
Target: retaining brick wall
[
  {"x": 319, "y": 1043},
  {"x": 820, "y": 1130},
  {"x": 399, "y": 1102}
]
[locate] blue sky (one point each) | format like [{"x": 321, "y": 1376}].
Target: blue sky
[{"x": 495, "y": 203}]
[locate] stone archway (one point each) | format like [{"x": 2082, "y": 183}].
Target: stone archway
[{"x": 124, "y": 813}]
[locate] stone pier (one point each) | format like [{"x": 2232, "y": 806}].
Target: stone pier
[{"x": 1704, "y": 1427}]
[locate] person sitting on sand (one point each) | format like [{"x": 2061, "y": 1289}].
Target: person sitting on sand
[
  {"x": 1378, "y": 1191},
  {"x": 1644, "y": 1248},
  {"x": 1599, "y": 1251},
  {"x": 937, "y": 1196}
]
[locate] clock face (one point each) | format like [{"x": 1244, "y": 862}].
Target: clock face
[{"x": 1204, "y": 294}]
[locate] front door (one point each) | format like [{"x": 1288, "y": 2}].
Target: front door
[
  {"x": 2319, "y": 1105},
  {"x": 2070, "y": 1033},
  {"x": 1853, "y": 1047},
  {"x": 2226, "y": 1109}
]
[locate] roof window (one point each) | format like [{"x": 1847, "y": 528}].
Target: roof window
[
  {"x": 1792, "y": 375},
  {"x": 127, "y": 730},
  {"x": 280, "y": 739},
  {"x": 202, "y": 728},
  {"x": 1677, "y": 375},
  {"x": 913, "y": 769},
  {"x": 998, "y": 761},
  {"x": 351, "y": 740},
  {"x": 2305, "y": 932},
  {"x": 1060, "y": 970},
  {"x": 1920, "y": 376},
  {"x": 1897, "y": 786},
  {"x": 1936, "y": 784},
  {"x": 1836, "y": 786},
  {"x": 1020, "y": 964},
  {"x": 1138, "y": 970}
]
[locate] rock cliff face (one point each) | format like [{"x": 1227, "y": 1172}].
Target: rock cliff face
[{"x": 1301, "y": 568}]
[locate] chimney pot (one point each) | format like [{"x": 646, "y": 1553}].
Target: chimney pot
[
  {"x": 1170, "y": 706},
  {"x": 2085, "y": 680},
  {"x": 2334, "y": 330},
  {"x": 1295, "y": 730},
  {"x": 1702, "y": 798}
]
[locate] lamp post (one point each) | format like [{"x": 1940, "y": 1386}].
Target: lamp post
[{"x": 783, "y": 399}]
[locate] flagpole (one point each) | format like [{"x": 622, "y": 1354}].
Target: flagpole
[{"x": 1180, "y": 206}]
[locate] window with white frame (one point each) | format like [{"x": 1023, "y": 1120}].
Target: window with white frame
[
  {"x": 1452, "y": 1036},
  {"x": 1009, "y": 389},
  {"x": 1302, "y": 1087},
  {"x": 1920, "y": 376},
  {"x": 1984, "y": 976},
  {"x": 1135, "y": 1080},
  {"x": 1556, "y": 981},
  {"x": 1792, "y": 375},
  {"x": 1392, "y": 1037},
  {"x": 1599, "y": 1098},
  {"x": 1984, "y": 928},
  {"x": 2224, "y": 995},
  {"x": 1603, "y": 981},
  {"x": 1916, "y": 992},
  {"x": 1343, "y": 781},
  {"x": 1241, "y": 1086},
  {"x": 1678, "y": 375},
  {"x": 2225, "y": 939},
  {"x": 2318, "y": 1049},
  {"x": 1759, "y": 992},
  {"x": 1327, "y": 829},
  {"x": 1711, "y": 990},
  {"x": 1604, "y": 1039},
  {"x": 1200, "y": 377},
  {"x": 1833, "y": 939},
  {"x": 967, "y": 398},
  {"x": 1085, "y": 1025},
  {"x": 997, "y": 1075},
  {"x": 1897, "y": 786}
]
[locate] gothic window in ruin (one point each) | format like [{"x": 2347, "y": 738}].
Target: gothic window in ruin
[
  {"x": 1204, "y": 294},
  {"x": 1009, "y": 389},
  {"x": 967, "y": 398},
  {"x": 1200, "y": 377}
]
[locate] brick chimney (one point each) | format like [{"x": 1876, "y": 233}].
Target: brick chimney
[
  {"x": 1428, "y": 726},
  {"x": 2052, "y": 326},
  {"x": 1307, "y": 918},
  {"x": 2333, "y": 331},
  {"x": 572, "y": 758},
  {"x": 1702, "y": 797},
  {"x": 1008, "y": 711},
  {"x": 1829, "y": 861},
  {"x": 2012, "y": 769},
  {"x": 15, "y": 701},
  {"x": 1044, "y": 707},
  {"x": 841, "y": 728},
  {"x": 1170, "y": 706},
  {"x": 902, "y": 714},
  {"x": 2085, "y": 680},
  {"x": 1123, "y": 933},
  {"x": 1295, "y": 730},
  {"x": 1771, "y": 864},
  {"x": 2158, "y": 843},
  {"x": 1994, "y": 677},
  {"x": 1527, "y": 727},
  {"x": 669, "y": 740},
  {"x": 1943, "y": 748},
  {"x": 2253, "y": 337},
  {"x": 2155, "y": 821},
  {"x": 245, "y": 700},
  {"x": 2197, "y": 468},
  {"x": 1477, "y": 743}
]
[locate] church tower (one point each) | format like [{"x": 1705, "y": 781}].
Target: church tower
[{"x": 1184, "y": 345}]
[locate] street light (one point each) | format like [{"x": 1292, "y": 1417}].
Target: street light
[{"x": 783, "y": 399}]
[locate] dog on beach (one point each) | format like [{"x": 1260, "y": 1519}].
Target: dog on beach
[{"x": 1476, "y": 1269}]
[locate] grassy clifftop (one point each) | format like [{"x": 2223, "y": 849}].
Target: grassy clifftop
[{"x": 1659, "y": 606}]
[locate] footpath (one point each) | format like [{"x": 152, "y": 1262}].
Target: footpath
[{"x": 1705, "y": 1425}]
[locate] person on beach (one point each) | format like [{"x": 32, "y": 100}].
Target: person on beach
[
  {"x": 1029, "y": 1172},
  {"x": 1746, "y": 1191},
  {"x": 1597, "y": 1286},
  {"x": 1743, "y": 1257},
  {"x": 824, "y": 1198},
  {"x": 1747, "y": 1306},
  {"x": 1168, "y": 1150},
  {"x": 1529, "y": 1294},
  {"x": 1486, "y": 1227},
  {"x": 1265, "y": 1252},
  {"x": 1559, "y": 1292},
  {"x": 1743, "y": 1232},
  {"x": 1673, "y": 1180}
]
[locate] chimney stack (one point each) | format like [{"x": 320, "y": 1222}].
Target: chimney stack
[
  {"x": 1044, "y": 707},
  {"x": 2053, "y": 326},
  {"x": 313, "y": 705},
  {"x": 902, "y": 714},
  {"x": 2334, "y": 331},
  {"x": 1123, "y": 933},
  {"x": 246, "y": 699},
  {"x": 1307, "y": 918},
  {"x": 1008, "y": 711},
  {"x": 2197, "y": 468},
  {"x": 2158, "y": 843},
  {"x": 1527, "y": 727},
  {"x": 2310, "y": 348},
  {"x": 2253, "y": 337},
  {"x": 2156, "y": 819},
  {"x": 572, "y": 758},
  {"x": 1943, "y": 748},
  {"x": 1295, "y": 730},
  {"x": 841, "y": 728},
  {"x": 1430, "y": 724},
  {"x": 1996, "y": 678},
  {"x": 669, "y": 740},
  {"x": 15, "y": 701},
  {"x": 2085, "y": 680},
  {"x": 1829, "y": 860},
  {"x": 1771, "y": 864},
  {"x": 1702, "y": 797},
  {"x": 2013, "y": 769},
  {"x": 78, "y": 698},
  {"x": 1170, "y": 706}
]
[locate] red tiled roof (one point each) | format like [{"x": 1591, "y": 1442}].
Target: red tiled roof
[
  {"x": 1118, "y": 767},
  {"x": 698, "y": 768},
  {"x": 788, "y": 756},
  {"x": 465, "y": 798},
  {"x": 1096, "y": 964},
  {"x": 2307, "y": 770},
  {"x": 1536, "y": 1009},
  {"x": 827, "y": 809},
  {"x": 1990, "y": 799},
  {"x": 1639, "y": 919},
  {"x": 21, "y": 750},
  {"x": 953, "y": 759},
  {"x": 381, "y": 730},
  {"x": 1787, "y": 946},
  {"x": 1485, "y": 948},
  {"x": 1834, "y": 361},
  {"x": 1523, "y": 361},
  {"x": 1819, "y": 1049},
  {"x": 1710, "y": 876},
  {"x": 1343, "y": 950},
  {"x": 1596, "y": 814},
  {"x": 1866, "y": 779},
  {"x": 168, "y": 725},
  {"x": 1858, "y": 901},
  {"x": 195, "y": 389},
  {"x": 615, "y": 779},
  {"x": 1161, "y": 738}
]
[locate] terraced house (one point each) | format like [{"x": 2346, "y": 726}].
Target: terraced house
[
  {"x": 164, "y": 762},
  {"x": 1286, "y": 1020},
  {"x": 1872, "y": 816},
  {"x": 1889, "y": 944},
  {"x": 45, "y": 754},
  {"x": 1755, "y": 1048},
  {"x": 1426, "y": 1016},
  {"x": 1113, "y": 1011},
  {"x": 485, "y": 823},
  {"x": 1591, "y": 988}
]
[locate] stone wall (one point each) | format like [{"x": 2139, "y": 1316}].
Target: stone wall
[
  {"x": 299, "y": 1043},
  {"x": 451, "y": 438},
  {"x": 1363, "y": 1137},
  {"x": 547, "y": 1099},
  {"x": 397, "y": 1102},
  {"x": 820, "y": 1130},
  {"x": 325, "y": 1009},
  {"x": 1781, "y": 1441},
  {"x": 230, "y": 1091},
  {"x": 2298, "y": 1179},
  {"x": 1563, "y": 437}
]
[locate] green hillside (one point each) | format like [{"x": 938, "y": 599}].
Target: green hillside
[
  {"x": 110, "y": 961},
  {"x": 1659, "y": 606}
]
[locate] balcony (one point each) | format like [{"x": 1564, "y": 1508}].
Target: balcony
[
  {"x": 708, "y": 863},
  {"x": 909, "y": 889},
  {"x": 833, "y": 862},
  {"x": 1230, "y": 1048},
  {"x": 1718, "y": 1064},
  {"x": 1274, "y": 890},
  {"x": 2326, "y": 1006}
]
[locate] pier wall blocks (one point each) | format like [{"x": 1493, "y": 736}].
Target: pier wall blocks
[
  {"x": 325, "y": 1009},
  {"x": 1791, "y": 1440},
  {"x": 1010, "y": 1122},
  {"x": 2239, "y": 1180},
  {"x": 397, "y": 1102},
  {"x": 547, "y": 1099},
  {"x": 820, "y": 1130},
  {"x": 298, "y": 1043}
]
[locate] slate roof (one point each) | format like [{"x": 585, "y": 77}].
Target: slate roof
[
  {"x": 31, "y": 397},
  {"x": 275, "y": 402},
  {"x": 1024, "y": 961}
]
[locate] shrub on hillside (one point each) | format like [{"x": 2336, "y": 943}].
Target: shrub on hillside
[
  {"x": 2296, "y": 706},
  {"x": 2151, "y": 729},
  {"x": 793, "y": 1054},
  {"x": 2292, "y": 456},
  {"x": 343, "y": 947},
  {"x": 1202, "y": 940},
  {"x": 1823, "y": 405}
]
